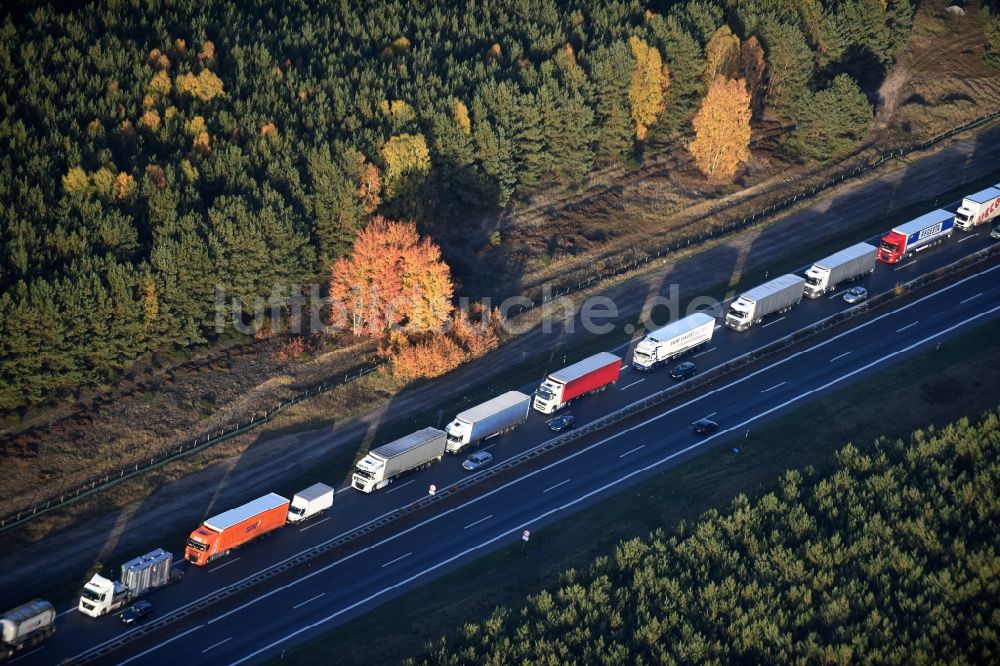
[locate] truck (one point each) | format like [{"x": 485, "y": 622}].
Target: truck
[
  {"x": 978, "y": 208},
  {"x": 778, "y": 295},
  {"x": 26, "y": 626},
  {"x": 311, "y": 502},
  {"x": 592, "y": 374},
  {"x": 916, "y": 235},
  {"x": 383, "y": 464},
  {"x": 669, "y": 342},
  {"x": 139, "y": 576},
  {"x": 499, "y": 415},
  {"x": 848, "y": 264},
  {"x": 220, "y": 535}
]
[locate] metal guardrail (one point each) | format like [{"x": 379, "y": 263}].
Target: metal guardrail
[
  {"x": 628, "y": 411},
  {"x": 107, "y": 480}
]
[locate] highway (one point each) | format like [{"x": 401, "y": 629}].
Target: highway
[{"x": 275, "y": 616}]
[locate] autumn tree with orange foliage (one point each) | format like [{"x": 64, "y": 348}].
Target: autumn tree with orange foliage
[
  {"x": 392, "y": 278},
  {"x": 647, "y": 86},
  {"x": 470, "y": 335},
  {"x": 722, "y": 129}
]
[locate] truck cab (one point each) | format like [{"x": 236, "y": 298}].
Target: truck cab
[
  {"x": 547, "y": 397},
  {"x": 201, "y": 546},
  {"x": 645, "y": 356},
  {"x": 101, "y": 596},
  {"x": 739, "y": 315},
  {"x": 459, "y": 433},
  {"x": 368, "y": 474},
  {"x": 890, "y": 250},
  {"x": 816, "y": 281}
]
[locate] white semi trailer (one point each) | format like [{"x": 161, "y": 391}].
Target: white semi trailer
[
  {"x": 778, "y": 295},
  {"x": 493, "y": 417},
  {"x": 847, "y": 264},
  {"x": 383, "y": 464},
  {"x": 669, "y": 342}
]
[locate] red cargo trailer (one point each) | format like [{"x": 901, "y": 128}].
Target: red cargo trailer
[
  {"x": 594, "y": 373},
  {"x": 222, "y": 533}
]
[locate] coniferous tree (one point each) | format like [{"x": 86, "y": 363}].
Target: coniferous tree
[
  {"x": 834, "y": 120},
  {"x": 611, "y": 68},
  {"x": 789, "y": 67}
]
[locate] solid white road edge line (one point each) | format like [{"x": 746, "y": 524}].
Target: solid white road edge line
[
  {"x": 545, "y": 468},
  {"x": 588, "y": 495}
]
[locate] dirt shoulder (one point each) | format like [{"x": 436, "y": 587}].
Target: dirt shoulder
[{"x": 268, "y": 463}]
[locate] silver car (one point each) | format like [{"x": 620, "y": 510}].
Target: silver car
[
  {"x": 855, "y": 295},
  {"x": 478, "y": 460}
]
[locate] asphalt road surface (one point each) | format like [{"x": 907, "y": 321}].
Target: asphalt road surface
[{"x": 280, "y": 616}]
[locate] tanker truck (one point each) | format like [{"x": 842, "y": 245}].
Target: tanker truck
[{"x": 27, "y": 625}]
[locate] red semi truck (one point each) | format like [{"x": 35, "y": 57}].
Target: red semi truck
[
  {"x": 222, "y": 533},
  {"x": 591, "y": 374},
  {"x": 916, "y": 235}
]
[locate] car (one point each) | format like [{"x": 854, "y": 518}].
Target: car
[
  {"x": 685, "y": 370},
  {"x": 995, "y": 231},
  {"x": 561, "y": 423},
  {"x": 478, "y": 460},
  {"x": 138, "y": 611},
  {"x": 855, "y": 295},
  {"x": 705, "y": 426}
]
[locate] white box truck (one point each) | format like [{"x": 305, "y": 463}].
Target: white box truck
[
  {"x": 978, "y": 208},
  {"x": 139, "y": 576},
  {"x": 381, "y": 465},
  {"x": 848, "y": 264},
  {"x": 493, "y": 417},
  {"x": 669, "y": 342},
  {"x": 778, "y": 295},
  {"x": 26, "y": 626},
  {"x": 310, "y": 502}
]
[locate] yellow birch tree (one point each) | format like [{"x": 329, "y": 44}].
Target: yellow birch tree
[{"x": 722, "y": 129}]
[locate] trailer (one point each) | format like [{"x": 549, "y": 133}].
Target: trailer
[
  {"x": 311, "y": 502},
  {"x": 848, "y": 264},
  {"x": 220, "y": 535},
  {"x": 499, "y": 415},
  {"x": 779, "y": 295},
  {"x": 383, "y": 464},
  {"x": 26, "y": 626},
  {"x": 916, "y": 235},
  {"x": 139, "y": 576},
  {"x": 667, "y": 343},
  {"x": 592, "y": 374},
  {"x": 978, "y": 208}
]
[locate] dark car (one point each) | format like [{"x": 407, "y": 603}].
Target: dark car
[
  {"x": 140, "y": 610},
  {"x": 561, "y": 423},
  {"x": 685, "y": 370},
  {"x": 705, "y": 426},
  {"x": 995, "y": 231}
]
